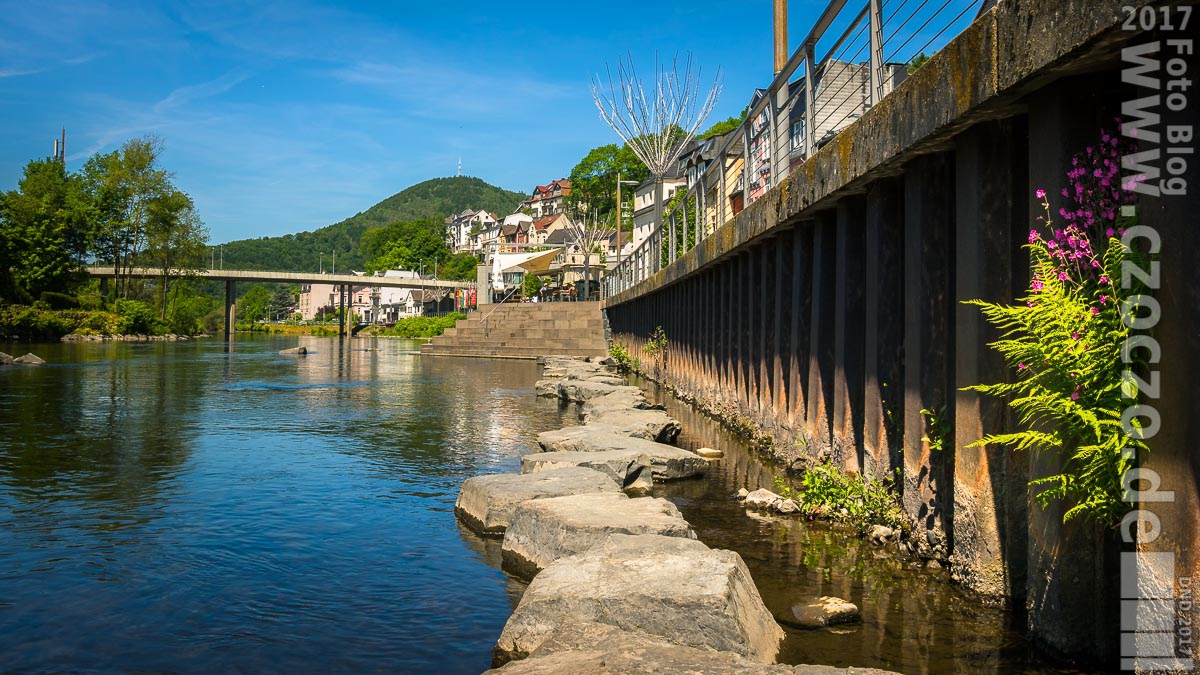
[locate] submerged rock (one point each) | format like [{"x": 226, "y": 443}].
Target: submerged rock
[
  {"x": 882, "y": 534},
  {"x": 671, "y": 587},
  {"x": 823, "y": 611},
  {"x": 486, "y": 503},
  {"x": 544, "y": 530},
  {"x": 711, "y": 453},
  {"x": 29, "y": 360},
  {"x": 295, "y": 350}
]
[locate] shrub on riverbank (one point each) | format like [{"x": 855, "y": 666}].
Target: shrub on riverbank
[
  {"x": 319, "y": 330},
  {"x": 23, "y": 323},
  {"x": 830, "y": 492},
  {"x": 422, "y": 326}
]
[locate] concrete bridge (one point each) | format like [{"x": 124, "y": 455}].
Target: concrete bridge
[
  {"x": 344, "y": 282},
  {"x": 827, "y": 314}
]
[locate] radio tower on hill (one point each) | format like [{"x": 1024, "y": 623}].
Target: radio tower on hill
[{"x": 460, "y": 167}]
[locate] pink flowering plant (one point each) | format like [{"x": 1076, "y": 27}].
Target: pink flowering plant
[{"x": 1063, "y": 340}]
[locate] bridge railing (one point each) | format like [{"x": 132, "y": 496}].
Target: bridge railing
[{"x": 866, "y": 48}]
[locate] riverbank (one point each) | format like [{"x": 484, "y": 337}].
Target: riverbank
[{"x": 912, "y": 618}]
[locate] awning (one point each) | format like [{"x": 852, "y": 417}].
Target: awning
[{"x": 527, "y": 262}]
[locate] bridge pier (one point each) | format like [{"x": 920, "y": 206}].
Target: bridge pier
[{"x": 230, "y": 309}]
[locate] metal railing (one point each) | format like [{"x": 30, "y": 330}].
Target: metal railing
[
  {"x": 867, "y": 47},
  {"x": 499, "y": 304}
]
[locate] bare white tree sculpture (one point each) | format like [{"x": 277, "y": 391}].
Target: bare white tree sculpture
[
  {"x": 586, "y": 233},
  {"x": 656, "y": 125}
]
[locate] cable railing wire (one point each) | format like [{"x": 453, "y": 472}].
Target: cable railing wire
[{"x": 702, "y": 207}]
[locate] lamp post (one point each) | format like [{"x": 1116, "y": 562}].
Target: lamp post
[
  {"x": 334, "y": 262},
  {"x": 619, "y": 209},
  {"x": 322, "y": 259}
]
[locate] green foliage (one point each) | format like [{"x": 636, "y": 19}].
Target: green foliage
[
  {"x": 54, "y": 300},
  {"x": 626, "y": 362},
  {"x": 423, "y": 326},
  {"x": 828, "y": 491},
  {"x": 406, "y": 246},
  {"x": 137, "y": 318},
  {"x": 724, "y": 126},
  {"x": 1063, "y": 341},
  {"x": 252, "y": 306},
  {"x": 533, "y": 284},
  {"x": 431, "y": 200},
  {"x": 656, "y": 349},
  {"x": 916, "y": 62},
  {"x": 22, "y": 323},
  {"x": 44, "y": 233},
  {"x": 939, "y": 429},
  {"x": 594, "y": 178},
  {"x": 685, "y": 228},
  {"x": 460, "y": 267},
  {"x": 188, "y": 309}
]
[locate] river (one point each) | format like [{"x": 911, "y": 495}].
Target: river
[{"x": 178, "y": 507}]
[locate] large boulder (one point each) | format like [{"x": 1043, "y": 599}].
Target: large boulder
[
  {"x": 596, "y": 438},
  {"x": 652, "y": 425},
  {"x": 486, "y": 503},
  {"x": 29, "y": 360},
  {"x": 5, "y": 359},
  {"x": 581, "y": 391},
  {"x": 544, "y": 530},
  {"x": 617, "y": 401},
  {"x": 546, "y": 388},
  {"x": 590, "y": 647},
  {"x": 627, "y": 469},
  {"x": 666, "y": 461},
  {"x": 671, "y": 587}
]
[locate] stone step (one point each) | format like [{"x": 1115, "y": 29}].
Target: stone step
[{"x": 529, "y": 354}]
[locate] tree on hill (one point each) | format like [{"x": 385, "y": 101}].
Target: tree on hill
[
  {"x": 430, "y": 200},
  {"x": 594, "y": 178}
]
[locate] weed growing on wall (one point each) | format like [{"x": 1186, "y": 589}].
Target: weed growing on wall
[{"x": 1063, "y": 341}]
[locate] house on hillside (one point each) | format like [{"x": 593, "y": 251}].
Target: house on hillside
[
  {"x": 465, "y": 230},
  {"x": 544, "y": 227},
  {"x": 549, "y": 199}
]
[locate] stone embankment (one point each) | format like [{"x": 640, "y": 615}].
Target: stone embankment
[
  {"x": 76, "y": 337},
  {"x": 620, "y": 581}
]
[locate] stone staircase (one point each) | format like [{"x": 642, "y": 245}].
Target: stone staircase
[{"x": 525, "y": 331}]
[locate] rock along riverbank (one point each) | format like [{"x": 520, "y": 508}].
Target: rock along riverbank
[{"x": 620, "y": 583}]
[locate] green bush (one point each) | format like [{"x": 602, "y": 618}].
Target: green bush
[
  {"x": 423, "y": 326},
  {"x": 54, "y": 300},
  {"x": 830, "y": 492},
  {"x": 625, "y": 362},
  {"x": 137, "y": 318}
]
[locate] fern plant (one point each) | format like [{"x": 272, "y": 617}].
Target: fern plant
[{"x": 1064, "y": 341}]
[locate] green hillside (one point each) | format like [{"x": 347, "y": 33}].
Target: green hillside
[{"x": 436, "y": 198}]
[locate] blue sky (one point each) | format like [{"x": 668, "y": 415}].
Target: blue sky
[{"x": 285, "y": 117}]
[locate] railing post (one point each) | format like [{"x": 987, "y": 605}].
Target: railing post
[
  {"x": 810, "y": 117},
  {"x": 683, "y": 208},
  {"x": 875, "y": 29},
  {"x": 746, "y": 160}
]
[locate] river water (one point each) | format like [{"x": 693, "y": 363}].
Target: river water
[{"x": 178, "y": 507}]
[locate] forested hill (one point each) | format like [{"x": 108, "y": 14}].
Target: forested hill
[{"x": 436, "y": 198}]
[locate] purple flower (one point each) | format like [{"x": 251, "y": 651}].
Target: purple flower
[
  {"x": 1074, "y": 396},
  {"x": 1041, "y": 194},
  {"x": 1095, "y": 311},
  {"x": 1103, "y": 280},
  {"x": 1062, "y": 276},
  {"x": 1021, "y": 366},
  {"x": 1109, "y": 232}
]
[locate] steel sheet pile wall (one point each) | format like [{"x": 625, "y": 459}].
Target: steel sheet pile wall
[{"x": 828, "y": 315}]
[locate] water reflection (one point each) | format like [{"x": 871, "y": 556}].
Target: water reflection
[{"x": 179, "y": 507}]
